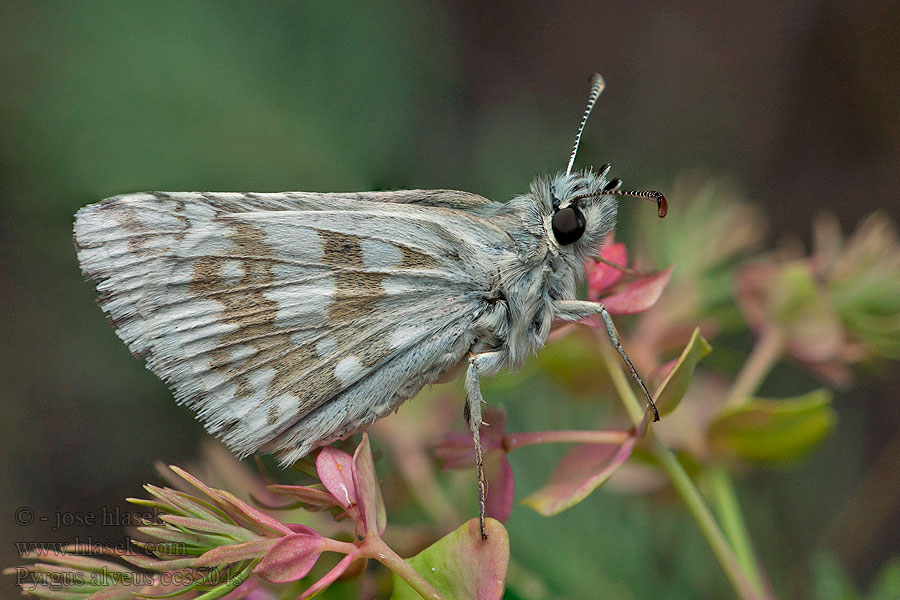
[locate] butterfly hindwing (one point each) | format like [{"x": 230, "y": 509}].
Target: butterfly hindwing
[{"x": 290, "y": 320}]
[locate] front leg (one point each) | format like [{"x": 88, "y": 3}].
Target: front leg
[
  {"x": 576, "y": 310},
  {"x": 490, "y": 363}
]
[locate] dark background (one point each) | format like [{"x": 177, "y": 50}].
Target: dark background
[{"x": 794, "y": 102}]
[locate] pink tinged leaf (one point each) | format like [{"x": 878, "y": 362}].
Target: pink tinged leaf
[
  {"x": 217, "y": 527},
  {"x": 153, "y": 564},
  {"x": 456, "y": 451},
  {"x": 255, "y": 515},
  {"x": 224, "y": 555},
  {"x": 211, "y": 492},
  {"x": 767, "y": 430},
  {"x": 789, "y": 297},
  {"x": 750, "y": 290},
  {"x": 116, "y": 592},
  {"x": 335, "y": 470},
  {"x": 600, "y": 275},
  {"x": 232, "y": 504},
  {"x": 501, "y": 485},
  {"x": 462, "y": 565},
  {"x": 304, "y": 494},
  {"x": 368, "y": 491},
  {"x": 77, "y": 562},
  {"x": 672, "y": 389},
  {"x": 329, "y": 578},
  {"x": 298, "y": 528},
  {"x": 250, "y": 590},
  {"x": 579, "y": 473},
  {"x": 638, "y": 295},
  {"x": 291, "y": 558}
]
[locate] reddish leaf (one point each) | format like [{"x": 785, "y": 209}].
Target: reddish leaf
[
  {"x": 457, "y": 451},
  {"x": 255, "y": 515},
  {"x": 638, "y": 295},
  {"x": 223, "y": 555},
  {"x": 329, "y": 578},
  {"x": 335, "y": 469},
  {"x": 462, "y": 565},
  {"x": 579, "y": 473},
  {"x": 229, "y": 502},
  {"x": 368, "y": 490},
  {"x": 600, "y": 275},
  {"x": 291, "y": 558},
  {"x": 305, "y": 494},
  {"x": 298, "y": 528},
  {"x": 501, "y": 485}
]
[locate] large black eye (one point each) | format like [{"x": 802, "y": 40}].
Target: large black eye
[{"x": 568, "y": 225}]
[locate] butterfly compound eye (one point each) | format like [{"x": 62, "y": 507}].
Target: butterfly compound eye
[{"x": 568, "y": 225}]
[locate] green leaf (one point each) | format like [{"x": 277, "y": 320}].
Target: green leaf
[
  {"x": 462, "y": 565},
  {"x": 672, "y": 389},
  {"x": 887, "y": 584},
  {"x": 830, "y": 582},
  {"x": 773, "y": 430}
]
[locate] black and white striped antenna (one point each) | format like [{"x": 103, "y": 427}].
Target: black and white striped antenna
[{"x": 597, "y": 85}]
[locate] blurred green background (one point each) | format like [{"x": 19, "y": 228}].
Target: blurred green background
[{"x": 796, "y": 102}]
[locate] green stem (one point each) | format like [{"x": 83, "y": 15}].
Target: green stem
[
  {"x": 728, "y": 508},
  {"x": 682, "y": 483},
  {"x": 375, "y": 547},
  {"x": 622, "y": 384},
  {"x": 766, "y": 352},
  {"x": 685, "y": 487}
]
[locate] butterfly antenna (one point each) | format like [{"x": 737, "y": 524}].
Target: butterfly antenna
[
  {"x": 662, "y": 205},
  {"x": 611, "y": 189},
  {"x": 597, "y": 85}
]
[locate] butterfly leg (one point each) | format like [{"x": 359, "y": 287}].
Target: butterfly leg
[
  {"x": 489, "y": 363},
  {"x": 575, "y": 310}
]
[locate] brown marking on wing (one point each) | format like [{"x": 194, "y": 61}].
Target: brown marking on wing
[
  {"x": 356, "y": 295},
  {"x": 245, "y": 305},
  {"x": 413, "y": 259}
]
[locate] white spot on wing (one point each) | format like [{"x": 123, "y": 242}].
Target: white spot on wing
[
  {"x": 232, "y": 271},
  {"x": 326, "y": 347},
  {"x": 347, "y": 369},
  {"x": 378, "y": 255},
  {"x": 405, "y": 335},
  {"x": 301, "y": 304}
]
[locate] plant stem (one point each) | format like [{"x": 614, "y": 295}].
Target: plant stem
[
  {"x": 729, "y": 510},
  {"x": 622, "y": 384},
  {"x": 511, "y": 441},
  {"x": 375, "y": 547},
  {"x": 682, "y": 483},
  {"x": 766, "y": 352}
]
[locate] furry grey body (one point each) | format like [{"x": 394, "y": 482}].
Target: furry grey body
[{"x": 290, "y": 320}]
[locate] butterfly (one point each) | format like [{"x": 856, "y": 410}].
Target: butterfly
[{"x": 290, "y": 320}]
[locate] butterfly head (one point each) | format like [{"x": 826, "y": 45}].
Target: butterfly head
[
  {"x": 580, "y": 209},
  {"x": 583, "y": 204}
]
